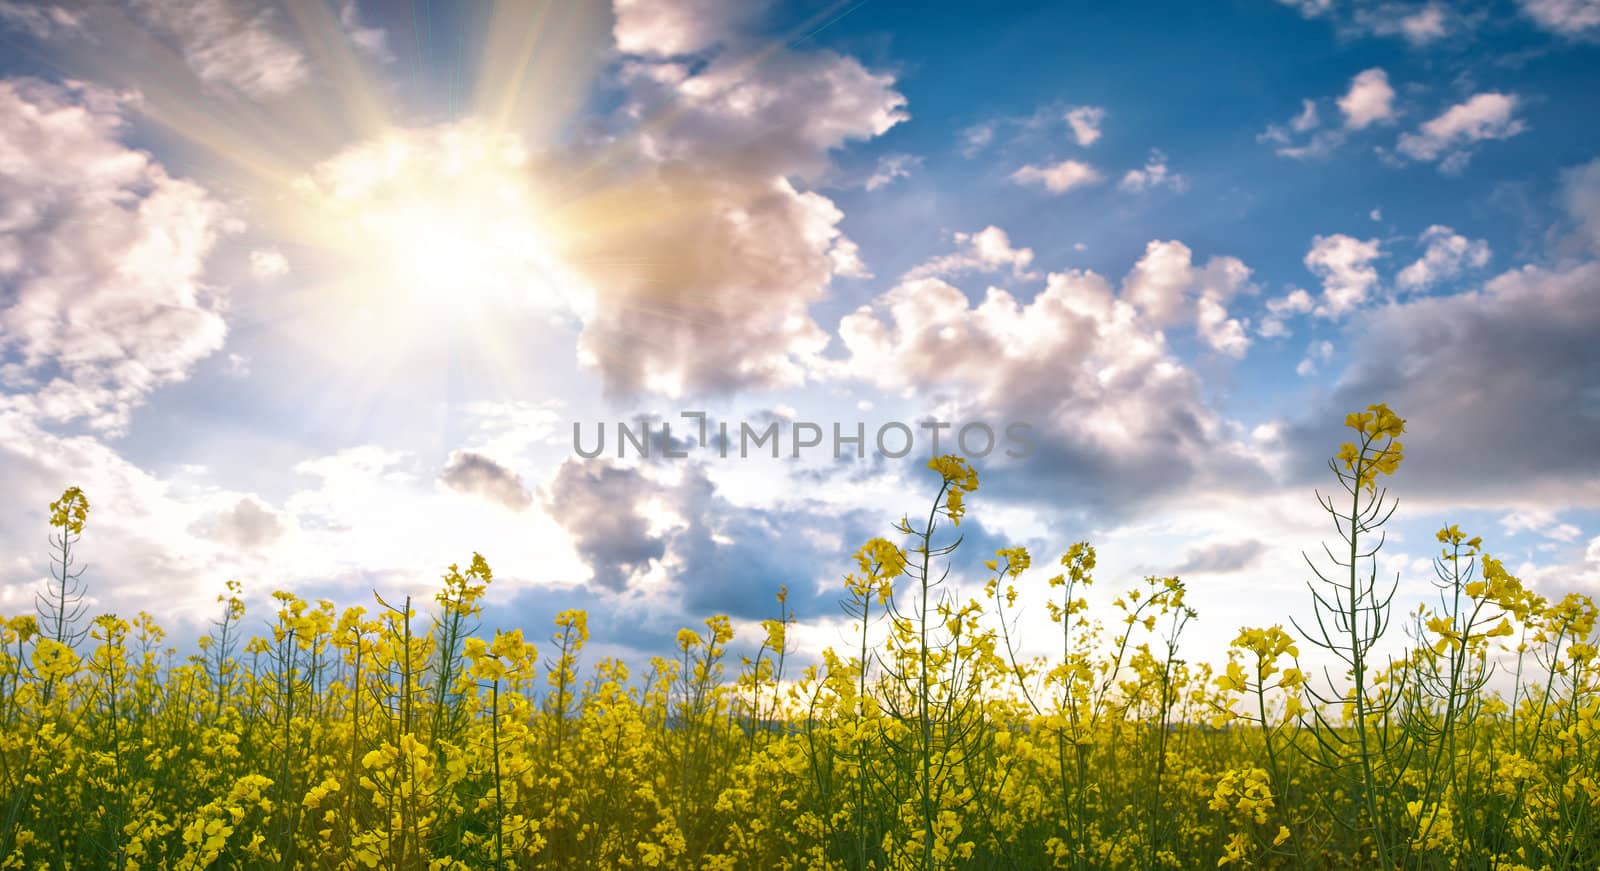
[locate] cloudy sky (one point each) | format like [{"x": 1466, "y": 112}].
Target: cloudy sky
[{"x": 312, "y": 293}]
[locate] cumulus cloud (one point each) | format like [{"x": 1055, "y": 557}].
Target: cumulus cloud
[
  {"x": 1085, "y": 122},
  {"x": 1058, "y": 178},
  {"x": 1570, "y": 18},
  {"x": 1369, "y": 100},
  {"x": 1344, "y": 263},
  {"x": 1153, "y": 175},
  {"x": 102, "y": 255},
  {"x": 1450, "y": 137},
  {"x": 1447, "y": 254},
  {"x": 479, "y": 475},
  {"x": 711, "y": 292},
  {"x": 1168, "y": 288},
  {"x": 1119, "y": 419}
]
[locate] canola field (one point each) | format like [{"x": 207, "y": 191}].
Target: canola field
[{"x": 398, "y": 737}]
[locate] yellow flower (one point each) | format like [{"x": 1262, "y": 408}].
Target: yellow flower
[
  {"x": 1016, "y": 560},
  {"x": 70, "y": 510},
  {"x": 53, "y": 660},
  {"x": 25, "y": 626},
  {"x": 960, "y": 479}
]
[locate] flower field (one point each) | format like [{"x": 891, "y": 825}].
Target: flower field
[{"x": 398, "y": 737}]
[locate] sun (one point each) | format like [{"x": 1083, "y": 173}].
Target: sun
[{"x": 435, "y": 226}]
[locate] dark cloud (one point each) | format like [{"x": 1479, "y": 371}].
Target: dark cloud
[
  {"x": 1500, "y": 388},
  {"x": 726, "y": 558},
  {"x": 474, "y": 473},
  {"x": 597, "y": 502}
]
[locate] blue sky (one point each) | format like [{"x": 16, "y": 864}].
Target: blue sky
[{"x": 311, "y": 294}]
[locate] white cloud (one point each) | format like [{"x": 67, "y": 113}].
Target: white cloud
[
  {"x": 1225, "y": 335},
  {"x": 1085, "y": 122},
  {"x": 1447, "y": 254},
  {"x": 1427, "y": 25},
  {"x": 845, "y": 256},
  {"x": 1159, "y": 282},
  {"x": 988, "y": 250},
  {"x": 1118, "y": 418},
  {"x": 1542, "y": 521},
  {"x": 101, "y": 260},
  {"x": 1307, "y": 119},
  {"x": 1167, "y": 288},
  {"x": 1319, "y": 144},
  {"x": 1419, "y": 26},
  {"x": 1281, "y": 309},
  {"x": 655, "y": 28},
  {"x": 1058, "y": 178},
  {"x": 1369, "y": 100},
  {"x": 1154, "y": 175},
  {"x": 1344, "y": 264},
  {"x": 889, "y": 168},
  {"x": 976, "y": 138},
  {"x": 1309, "y": 8},
  {"x": 1571, "y": 18},
  {"x": 1451, "y": 135}
]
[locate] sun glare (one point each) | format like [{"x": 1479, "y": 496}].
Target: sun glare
[{"x": 436, "y": 223}]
